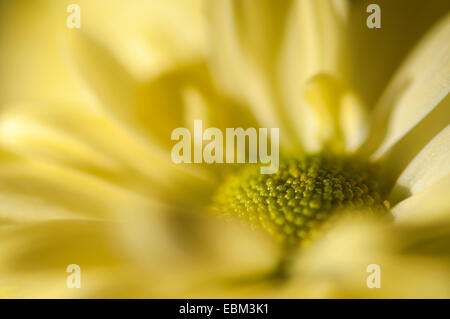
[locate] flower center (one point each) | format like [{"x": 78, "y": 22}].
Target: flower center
[{"x": 303, "y": 197}]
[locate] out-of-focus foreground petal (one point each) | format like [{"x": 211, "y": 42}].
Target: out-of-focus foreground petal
[
  {"x": 413, "y": 261},
  {"x": 116, "y": 261}
]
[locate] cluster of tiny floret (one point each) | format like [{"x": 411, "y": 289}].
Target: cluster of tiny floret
[{"x": 303, "y": 197}]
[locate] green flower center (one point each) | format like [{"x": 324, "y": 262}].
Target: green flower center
[{"x": 303, "y": 197}]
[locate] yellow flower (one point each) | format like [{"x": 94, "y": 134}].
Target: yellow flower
[{"x": 86, "y": 176}]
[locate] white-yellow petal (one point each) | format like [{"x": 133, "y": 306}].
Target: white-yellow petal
[
  {"x": 35, "y": 259},
  {"x": 354, "y": 120},
  {"x": 244, "y": 57},
  {"x": 417, "y": 92},
  {"x": 430, "y": 204},
  {"x": 143, "y": 109},
  {"x": 313, "y": 43},
  {"x": 337, "y": 118},
  {"x": 36, "y": 191},
  {"x": 430, "y": 165},
  {"x": 76, "y": 138},
  {"x": 150, "y": 37}
]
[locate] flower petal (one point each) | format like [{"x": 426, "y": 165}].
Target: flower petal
[
  {"x": 377, "y": 53},
  {"x": 150, "y": 37},
  {"x": 88, "y": 143},
  {"x": 354, "y": 120},
  {"x": 430, "y": 165},
  {"x": 418, "y": 92},
  {"x": 337, "y": 119},
  {"x": 35, "y": 258},
  {"x": 152, "y": 110},
  {"x": 307, "y": 51},
  {"x": 337, "y": 265},
  {"x": 431, "y": 203},
  {"x": 149, "y": 111},
  {"x": 35, "y": 191},
  {"x": 32, "y": 65},
  {"x": 160, "y": 249},
  {"x": 244, "y": 56}
]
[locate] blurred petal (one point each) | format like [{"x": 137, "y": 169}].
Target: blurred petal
[
  {"x": 40, "y": 140},
  {"x": 155, "y": 108},
  {"x": 16, "y": 205},
  {"x": 34, "y": 191},
  {"x": 35, "y": 258},
  {"x": 143, "y": 110},
  {"x": 413, "y": 261},
  {"x": 149, "y": 37},
  {"x": 307, "y": 51},
  {"x": 430, "y": 165},
  {"x": 21, "y": 245},
  {"x": 77, "y": 138},
  {"x": 33, "y": 66},
  {"x": 340, "y": 118},
  {"x": 210, "y": 246},
  {"x": 244, "y": 57},
  {"x": 116, "y": 259},
  {"x": 354, "y": 120},
  {"x": 116, "y": 89}
]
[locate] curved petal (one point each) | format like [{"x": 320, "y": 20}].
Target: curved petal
[
  {"x": 150, "y": 37},
  {"x": 75, "y": 138},
  {"x": 174, "y": 264},
  {"x": 244, "y": 57},
  {"x": 337, "y": 119},
  {"x": 17, "y": 205},
  {"x": 313, "y": 43},
  {"x": 340, "y": 264},
  {"x": 417, "y": 91},
  {"x": 354, "y": 120},
  {"x": 428, "y": 204},
  {"x": 35, "y": 259},
  {"x": 36, "y": 191},
  {"x": 120, "y": 93},
  {"x": 401, "y": 153},
  {"x": 151, "y": 109},
  {"x": 430, "y": 165}
]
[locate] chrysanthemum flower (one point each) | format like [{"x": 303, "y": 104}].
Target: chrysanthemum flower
[{"x": 86, "y": 176}]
